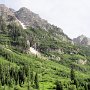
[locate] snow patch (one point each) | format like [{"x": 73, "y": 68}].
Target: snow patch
[
  {"x": 33, "y": 51},
  {"x": 22, "y": 24}
]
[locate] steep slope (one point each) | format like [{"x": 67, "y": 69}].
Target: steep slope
[
  {"x": 7, "y": 13},
  {"x": 9, "y": 16},
  {"x": 30, "y": 19},
  {"x": 5, "y": 10},
  {"x": 82, "y": 40}
]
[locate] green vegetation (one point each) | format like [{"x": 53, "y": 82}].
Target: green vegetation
[
  {"x": 27, "y": 66},
  {"x": 61, "y": 66}
]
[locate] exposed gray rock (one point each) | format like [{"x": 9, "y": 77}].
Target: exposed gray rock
[
  {"x": 6, "y": 12},
  {"x": 82, "y": 40},
  {"x": 12, "y": 10},
  {"x": 31, "y": 19}
]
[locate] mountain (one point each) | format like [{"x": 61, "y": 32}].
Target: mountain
[
  {"x": 27, "y": 18},
  {"x": 30, "y": 19},
  {"x": 26, "y": 32},
  {"x": 35, "y": 55},
  {"x": 34, "y": 27},
  {"x": 82, "y": 40}
]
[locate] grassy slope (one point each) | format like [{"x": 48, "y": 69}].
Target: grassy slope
[{"x": 48, "y": 71}]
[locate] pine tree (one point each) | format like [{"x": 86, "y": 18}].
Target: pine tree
[
  {"x": 59, "y": 86},
  {"x": 21, "y": 76},
  {"x": 86, "y": 86},
  {"x": 36, "y": 81},
  {"x": 3, "y": 26},
  {"x": 76, "y": 83},
  {"x": 28, "y": 78},
  {"x": 0, "y": 86},
  {"x": 72, "y": 74},
  {"x": 32, "y": 77}
]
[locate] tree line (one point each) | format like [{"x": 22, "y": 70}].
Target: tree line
[{"x": 18, "y": 75}]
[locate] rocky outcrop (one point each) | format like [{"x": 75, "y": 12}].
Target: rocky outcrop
[
  {"x": 83, "y": 62},
  {"x": 12, "y": 10},
  {"x": 82, "y": 40},
  {"x": 7, "y": 14}
]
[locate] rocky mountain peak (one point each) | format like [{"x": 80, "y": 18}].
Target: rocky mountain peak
[
  {"x": 12, "y": 10},
  {"x": 2, "y": 5},
  {"x": 27, "y": 18},
  {"x": 82, "y": 40},
  {"x": 81, "y": 37},
  {"x": 5, "y": 10},
  {"x": 7, "y": 13},
  {"x": 24, "y": 9}
]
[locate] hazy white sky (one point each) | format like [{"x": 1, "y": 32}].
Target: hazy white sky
[{"x": 73, "y": 16}]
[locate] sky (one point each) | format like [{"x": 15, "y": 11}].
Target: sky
[{"x": 73, "y": 16}]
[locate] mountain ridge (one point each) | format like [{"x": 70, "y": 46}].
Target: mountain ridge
[
  {"x": 27, "y": 18},
  {"x": 34, "y": 19}
]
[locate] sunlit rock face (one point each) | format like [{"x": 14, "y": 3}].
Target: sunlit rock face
[{"x": 8, "y": 15}]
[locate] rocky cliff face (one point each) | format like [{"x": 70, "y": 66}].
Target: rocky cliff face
[
  {"x": 82, "y": 40},
  {"x": 31, "y": 19},
  {"x": 7, "y": 14}
]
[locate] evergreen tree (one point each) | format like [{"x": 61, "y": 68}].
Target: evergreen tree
[
  {"x": 76, "y": 83},
  {"x": 3, "y": 26},
  {"x": 16, "y": 76},
  {"x": 72, "y": 74},
  {"x": 59, "y": 86},
  {"x": 28, "y": 76},
  {"x": 36, "y": 81},
  {"x": 32, "y": 77},
  {"x": 89, "y": 86},
  {"x": 86, "y": 86},
  {"x": 21, "y": 76}
]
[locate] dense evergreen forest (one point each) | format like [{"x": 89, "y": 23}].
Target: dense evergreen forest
[{"x": 21, "y": 70}]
